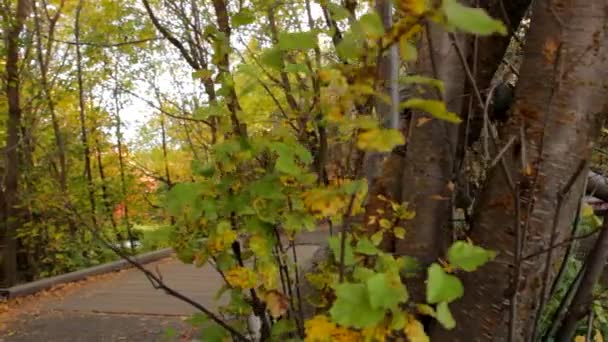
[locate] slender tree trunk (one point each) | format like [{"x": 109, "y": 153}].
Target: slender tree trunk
[
  {"x": 83, "y": 126},
  {"x": 430, "y": 155},
  {"x": 166, "y": 161},
  {"x": 530, "y": 204},
  {"x": 11, "y": 220},
  {"x": 121, "y": 162},
  {"x": 43, "y": 64},
  {"x": 104, "y": 186}
]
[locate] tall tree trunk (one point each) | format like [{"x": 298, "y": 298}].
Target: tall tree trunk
[
  {"x": 121, "y": 162},
  {"x": 530, "y": 205},
  {"x": 83, "y": 125},
  {"x": 43, "y": 63},
  {"x": 430, "y": 155},
  {"x": 11, "y": 220},
  {"x": 428, "y": 159},
  {"x": 163, "y": 132}
]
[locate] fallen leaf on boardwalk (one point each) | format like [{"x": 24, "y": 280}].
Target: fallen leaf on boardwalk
[
  {"x": 439, "y": 198},
  {"x": 276, "y": 302}
]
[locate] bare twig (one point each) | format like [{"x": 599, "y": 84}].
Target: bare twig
[
  {"x": 502, "y": 152},
  {"x": 106, "y": 44},
  {"x": 561, "y": 195},
  {"x": 594, "y": 264}
]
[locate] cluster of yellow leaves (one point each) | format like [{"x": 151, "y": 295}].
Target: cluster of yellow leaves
[
  {"x": 412, "y": 7},
  {"x": 241, "y": 277},
  {"x": 335, "y": 98},
  {"x": 325, "y": 202},
  {"x": 597, "y": 337},
  {"x": 321, "y": 329},
  {"x": 222, "y": 239},
  {"x": 268, "y": 274},
  {"x": 414, "y": 330},
  {"x": 380, "y": 140}
]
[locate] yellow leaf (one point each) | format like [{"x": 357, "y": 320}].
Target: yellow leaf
[
  {"x": 241, "y": 277},
  {"x": 384, "y": 223},
  {"x": 268, "y": 274},
  {"x": 587, "y": 210},
  {"x": 342, "y": 334},
  {"x": 318, "y": 328},
  {"x": 439, "y": 198},
  {"x": 276, "y": 302},
  {"x": 380, "y": 140},
  {"x": 580, "y": 338},
  {"x": 434, "y": 107},
  {"x": 399, "y": 232},
  {"x": 413, "y": 7},
  {"x": 422, "y": 120},
  {"x": 414, "y": 330},
  {"x": 407, "y": 50},
  {"x": 377, "y": 237},
  {"x": 425, "y": 309},
  {"x": 598, "y": 336}
]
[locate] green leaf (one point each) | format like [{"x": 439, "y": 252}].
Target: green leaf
[
  {"x": 297, "y": 40},
  {"x": 280, "y": 328},
  {"x": 398, "y": 320},
  {"x": 433, "y": 107},
  {"x": 287, "y": 164},
  {"x": 337, "y": 12},
  {"x": 297, "y": 68},
  {"x": 407, "y": 50},
  {"x": 186, "y": 199},
  {"x": 444, "y": 316},
  {"x": 335, "y": 246},
  {"x": 372, "y": 25},
  {"x": 272, "y": 58},
  {"x": 214, "y": 333},
  {"x": 471, "y": 20},
  {"x": 468, "y": 256},
  {"x": 363, "y": 273},
  {"x": 351, "y": 46},
  {"x": 411, "y": 266},
  {"x": 244, "y": 17},
  {"x": 442, "y": 287},
  {"x": 351, "y": 301},
  {"x": 385, "y": 292},
  {"x": 365, "y": 246},
  {"x": 202, "y": 74}
]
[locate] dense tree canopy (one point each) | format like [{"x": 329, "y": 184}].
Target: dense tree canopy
[{"x": 446, "y": 145}]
